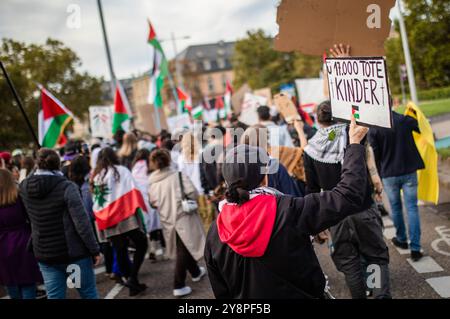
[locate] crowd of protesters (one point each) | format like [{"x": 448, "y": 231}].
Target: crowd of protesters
[{"x": 267, "y": 196}]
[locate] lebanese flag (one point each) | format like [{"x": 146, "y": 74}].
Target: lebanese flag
[
  {"x": 52, "y": 119},
  {"x": 122, "y": 110},
  {"x": 185, "y": 100},
  {"x": 116, "y": 201}
]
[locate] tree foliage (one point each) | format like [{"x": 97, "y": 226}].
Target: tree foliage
[
  {"x": 55, "y": 67},
  {"x": 428, "y": 27},
  {"x": 256, "y": 62}
]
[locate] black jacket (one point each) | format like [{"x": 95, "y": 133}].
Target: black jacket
[
  {"x": 289, "y": 267},
  {"x": 61, "y": 230},
  {"x": 395, "y": 151}
]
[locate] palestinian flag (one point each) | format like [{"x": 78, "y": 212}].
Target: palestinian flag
[
  {"x": 355, "y": 112},
  {"x": 122, "y": 110},
  {"x": 159, "y": 71},
  {"x": 53, "y": 119},
  {"x": 185, "y": 101},
  {"x": 197, "y": 112},
  {"x": 116, "y": 201}
]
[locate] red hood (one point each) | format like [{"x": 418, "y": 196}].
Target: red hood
[{"x": 247, "y": 228}]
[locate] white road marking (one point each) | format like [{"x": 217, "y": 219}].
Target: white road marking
[
  {"x": 442, "y": 244},
  {"x": 115, "y": 291},
  {"x": 99, "y": 270},
  {"x": 425, "y": 265},
  {"x": 441, "y": 285},
  {"x": 387, "y": 221},
  {"x": 403, "y": 251},
  {"x": 7, "y": 297},
  {"x": 389, "y": 233}
]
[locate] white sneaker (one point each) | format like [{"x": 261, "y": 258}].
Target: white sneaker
[
  {"x": 202, "y": 274},
  {"x": 182, "y": 291}
]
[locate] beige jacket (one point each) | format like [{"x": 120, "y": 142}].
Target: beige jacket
[{"x": 165, "y": 193}]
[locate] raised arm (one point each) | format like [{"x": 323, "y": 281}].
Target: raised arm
[{"x": 320, "y": 211}]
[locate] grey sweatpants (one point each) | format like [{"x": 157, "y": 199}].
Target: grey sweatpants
[{"x": 359, "y": 246}]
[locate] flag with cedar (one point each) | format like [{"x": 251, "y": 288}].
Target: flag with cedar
[
  {"x": 159, "y": 71},
  {"x": 53, "y": 119},
  {"x": 122, "y": 110}
]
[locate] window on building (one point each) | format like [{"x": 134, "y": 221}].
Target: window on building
[
  {"x": 221, "y": 63},
  {"x": 224, "y": 80},
  {"x": 210, "y": 84},
  {"x": 193, "y": 66},
  {"x": 206, "y": 65}
]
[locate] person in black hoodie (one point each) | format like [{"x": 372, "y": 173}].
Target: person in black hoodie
[
  {"x": 62, "y": 238},
  {"x": 260, "y": 245}
]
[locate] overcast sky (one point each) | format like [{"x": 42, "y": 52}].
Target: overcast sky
[
  {"x": 126, "y": 22},
  {"x": 204, "y": 21}
]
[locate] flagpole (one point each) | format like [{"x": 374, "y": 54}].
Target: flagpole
[
  {"x": 19, "y": 102},
  {"x": 108, "y": 52}
]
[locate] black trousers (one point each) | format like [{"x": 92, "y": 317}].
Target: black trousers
[
  {"x": 120, "y": 244},
  {"x": 107, "y": 252},
  {"x": 358, "y": 242},
  {"x": 157, "y": 235},
  {"x": 185, "y": 262}
]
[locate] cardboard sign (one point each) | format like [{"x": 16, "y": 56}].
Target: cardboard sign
[
  {"x": 359, "y": 86},
  {"x": 286, "y": 107},
  {"x": 100, "y": 118},
  {"x": 314, "y": 26},
  {"x": 249, "y": 107}
]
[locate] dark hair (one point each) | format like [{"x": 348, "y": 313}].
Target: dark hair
[
  {"x": 141, "y": 155},
  {"x": 237, "y": 194},
  {"x": 167, "y": 144},
  {"x": 263, "y": 113},
  {"x": 28, "y": 164},
  {"x": 324, "y": 115},
  {"x": 160, "y": 159},
  {"x": 222, "y": 130},
  {"x": 78, "y": 169},
  {"x": 118, "y": 136},
  {"x": 107, "y": 158},
  {"x": 48, "y": 159}
]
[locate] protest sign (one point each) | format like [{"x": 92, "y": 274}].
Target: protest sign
[
  {"x": 359, "y": 86},
  {"x": 310, "y": 93},
  {"x": 179, "y": 122},
  {"x": 286, "y": 107},
  {"x": 100, "y": 118},
  {"x": 314, "y": 26},
  {"x": 249, "y": 107}
]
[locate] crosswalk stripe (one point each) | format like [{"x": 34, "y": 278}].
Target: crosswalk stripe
[
  {"x": 425, "y": 265},
  {"x": 115, "y": 291},
  {"x": 441, "y": 285}
]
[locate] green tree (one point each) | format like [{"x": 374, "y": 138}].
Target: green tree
[
  {"x": 55, "y": 67},
  {"x": 428, "y": 26},
  {"x": 256, "y": 62}
]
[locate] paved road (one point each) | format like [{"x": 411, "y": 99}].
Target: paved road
[{"x": 408, "y": 280}]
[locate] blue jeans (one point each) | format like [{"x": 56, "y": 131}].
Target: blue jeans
[
  {"x": 408, "y": 184},
  {"x": 22, "y": 292},
  {"x": 55, "y": 279}
]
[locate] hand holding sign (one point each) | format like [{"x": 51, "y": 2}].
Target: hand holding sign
[
  {"x": 356, "y": 132},
  {"x": 286, "y": 107}
]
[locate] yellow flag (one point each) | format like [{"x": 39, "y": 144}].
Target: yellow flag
[{"x": 428, "y": 189}]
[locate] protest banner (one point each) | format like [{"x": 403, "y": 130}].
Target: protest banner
[
  {"x": 249, "y": 107},
  {"x": 265, "y": 92},
  {"x": 310, "y": 93},
  {"x": 359, "y": 87},
  {"x": 286, "y": 107},
  {"x": 314, "y": 26},
  {"x": 179, "y": 122},
  {"x": 100, "y": 118}
]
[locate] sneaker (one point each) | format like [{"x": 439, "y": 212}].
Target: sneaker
[
  {"x": 135, "y": 287},
  {"x": 399, "y": 244},
  {"x": 416, "y": 255},
  {"x": 182, "y": 291},
  {"x": 199, "y": 277}
]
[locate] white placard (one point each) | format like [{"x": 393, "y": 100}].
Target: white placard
[
  {"x": 310, "y": 93},
  {"x": 360, "y": 86},
  {"x": 101, "y": 118},
  {"x": 179, "y": 122},
  {"x": 249, "y": 107}
]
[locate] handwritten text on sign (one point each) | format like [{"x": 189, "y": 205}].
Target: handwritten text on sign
[{"x": 359, "y": 86}]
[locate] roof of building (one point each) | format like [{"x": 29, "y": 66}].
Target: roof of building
[{"x": 208, "y": 57}]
